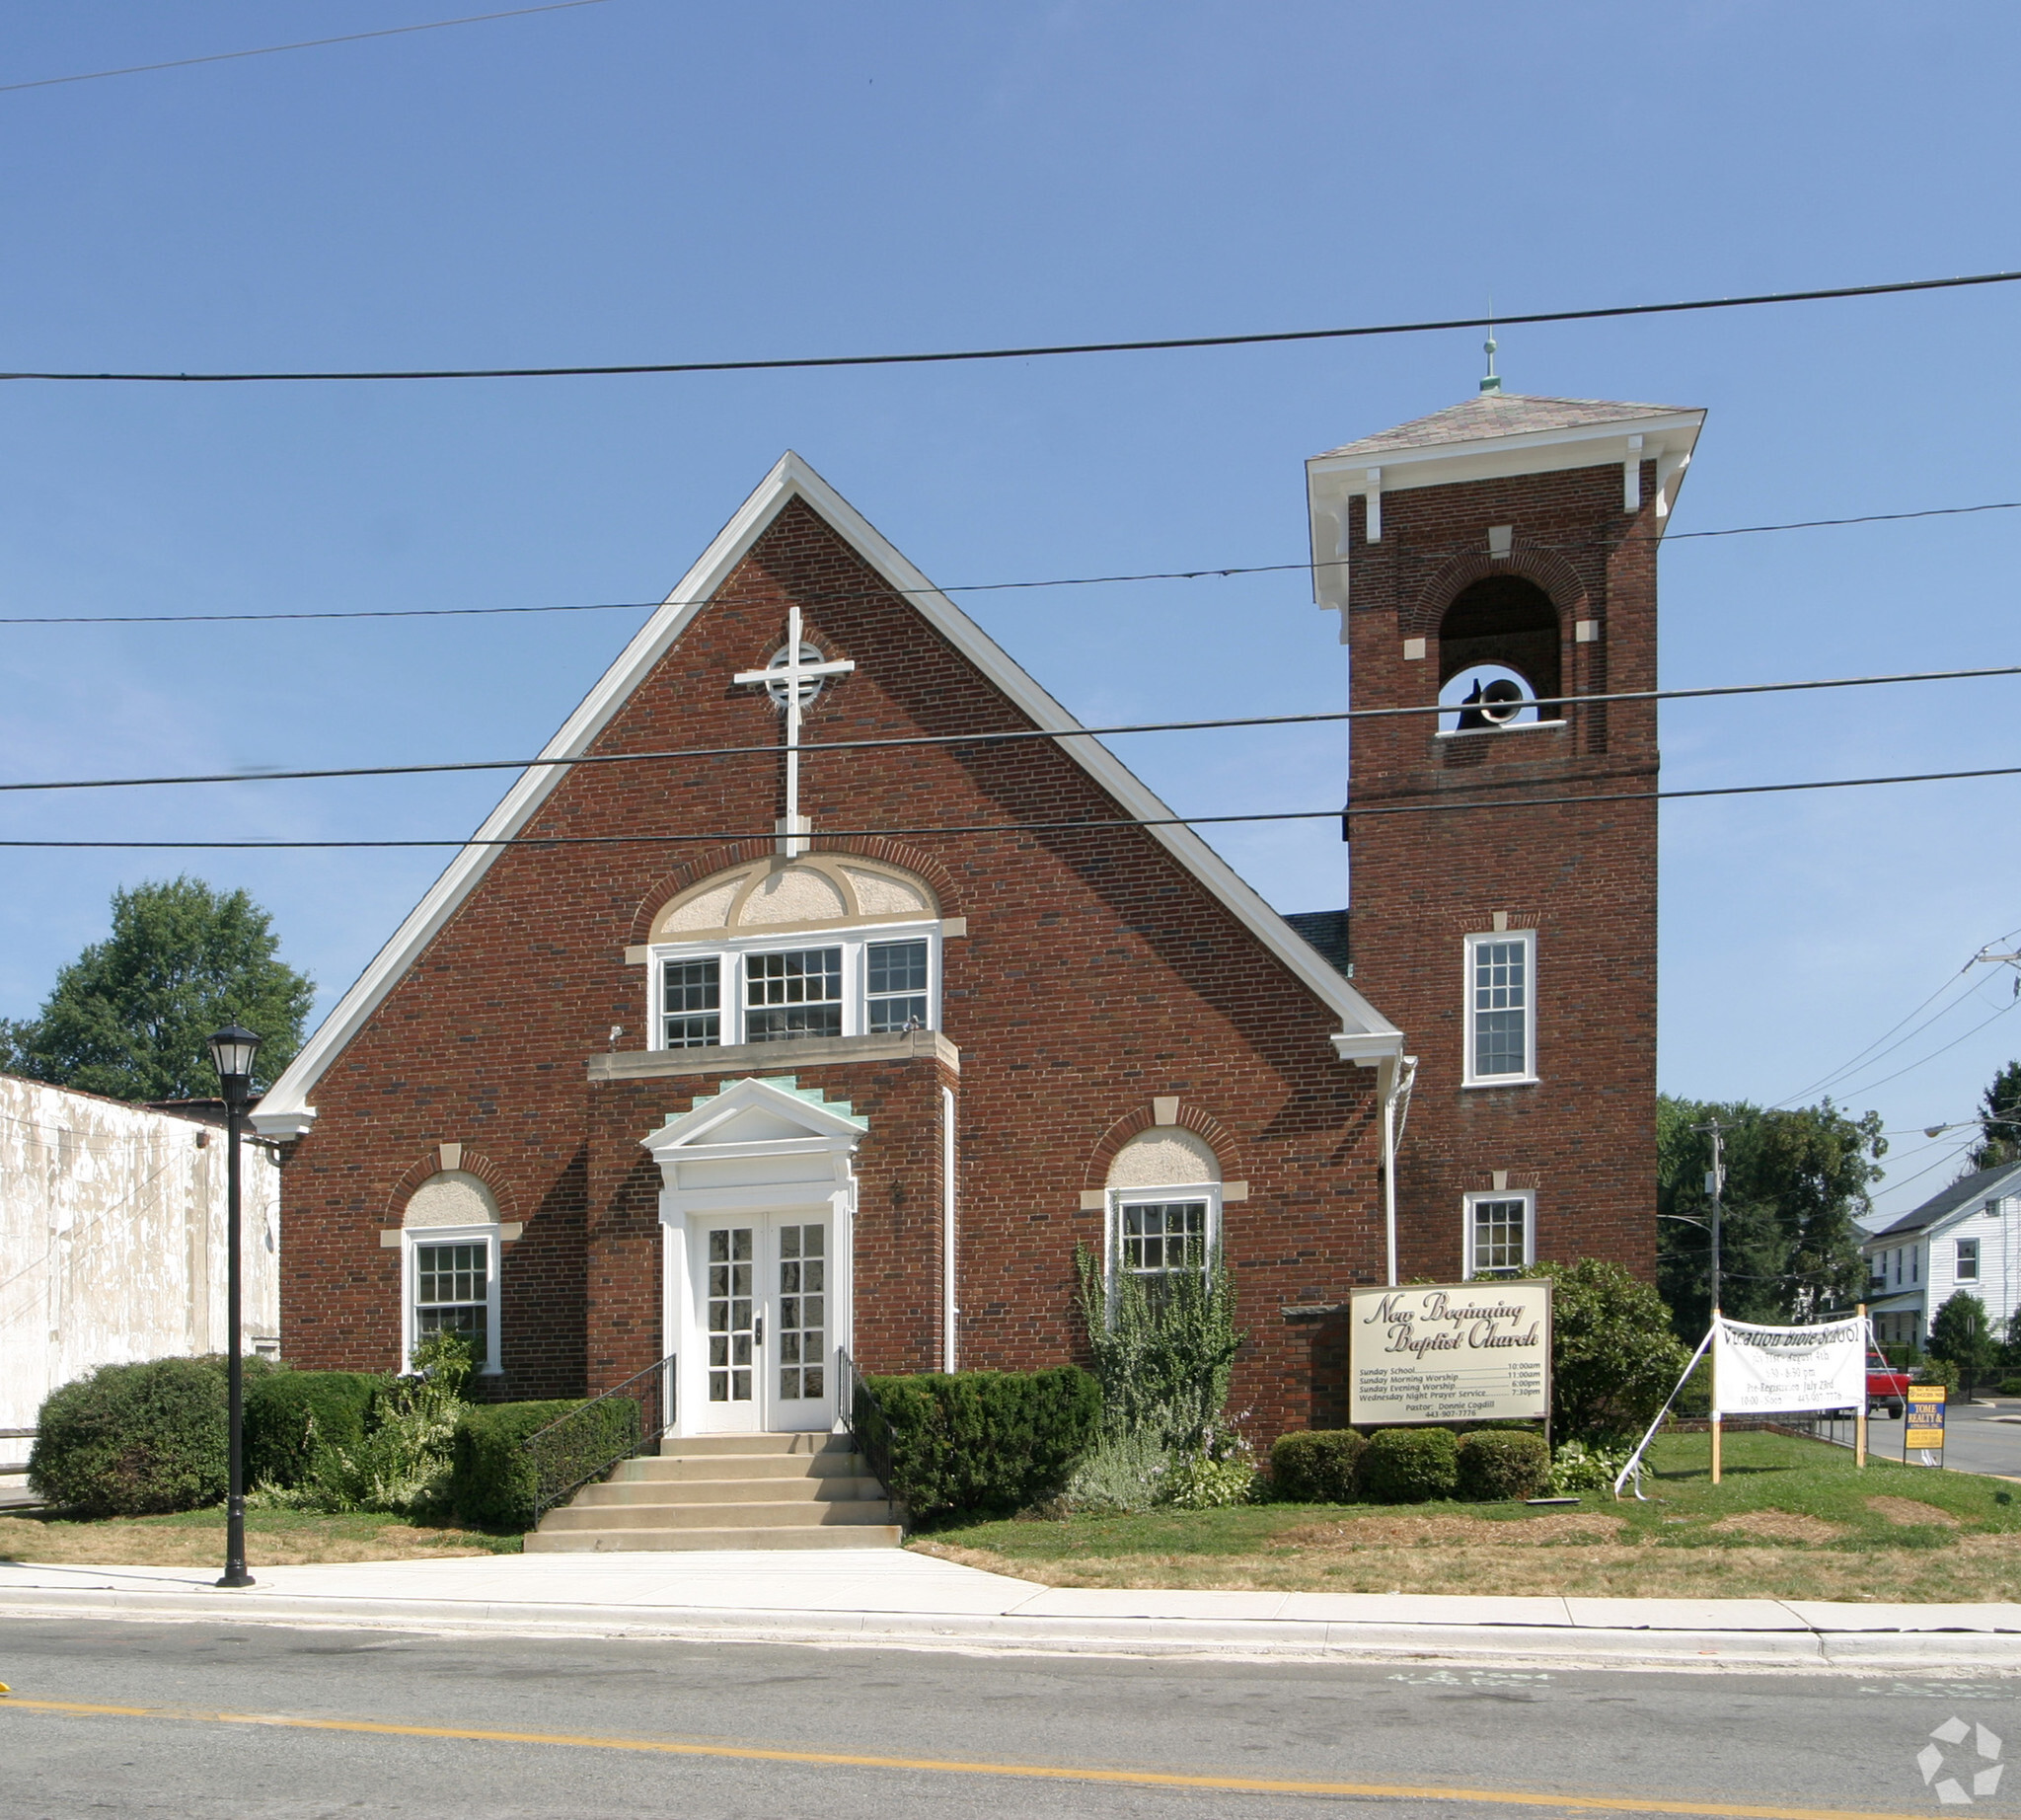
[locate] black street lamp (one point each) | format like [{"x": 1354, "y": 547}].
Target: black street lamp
[{"x": 232, "y": 1051}]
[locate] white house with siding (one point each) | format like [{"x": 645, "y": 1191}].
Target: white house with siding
[
  {"x": 1969, "y": 1236},
  {"x": 112, "y": 1234}
]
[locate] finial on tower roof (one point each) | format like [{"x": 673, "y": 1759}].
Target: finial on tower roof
[{"x": 1491, "y": 383}]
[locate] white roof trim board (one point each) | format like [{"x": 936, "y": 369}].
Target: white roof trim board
[{"x": 286, "y": 1111}]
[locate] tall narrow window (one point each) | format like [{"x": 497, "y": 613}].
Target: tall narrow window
[
  {"x": 1968, "y": 1260},
  {"x": 895, "y": 985},
  {"x": 1500, "y": 1237},
  {"x": 453, "y": 1292},
  {"x": 690, "y": 1002},
  {"x": 794, "y": 994},
  {"x": 1501, "y": 1008}
]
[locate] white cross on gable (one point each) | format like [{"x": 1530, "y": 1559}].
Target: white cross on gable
[{"x": 793, "y": 683}]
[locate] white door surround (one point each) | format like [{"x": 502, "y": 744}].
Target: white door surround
[{"x": 767, "y": 1157}]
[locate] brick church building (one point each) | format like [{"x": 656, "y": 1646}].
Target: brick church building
[{"x": 719, "y": 1044}]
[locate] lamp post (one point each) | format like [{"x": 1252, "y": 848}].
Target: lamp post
[{"x": 232, "y": 1051}]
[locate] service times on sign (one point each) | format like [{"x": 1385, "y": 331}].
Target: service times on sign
[{"x": 1450, "y": 1352}]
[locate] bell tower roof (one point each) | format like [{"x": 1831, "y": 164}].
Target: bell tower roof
[{"x": 1492, "y": 417}]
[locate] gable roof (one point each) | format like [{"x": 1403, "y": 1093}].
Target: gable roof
[
  {"x": 1966, "y": 1191},
  {"x": 287, "y": 1110},
  {"x": 1500, "y": 413}
]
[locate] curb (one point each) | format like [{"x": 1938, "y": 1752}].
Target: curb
[{"x": 1797, "y": 1647}]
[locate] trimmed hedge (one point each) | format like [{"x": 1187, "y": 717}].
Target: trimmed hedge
[
  {"x": 984, "y": 1441},
  {"x": 1410, "y": 1466},
  {"x": 1498, "y": 1464},
  {"x": 1316, "y": 1467},
  {"x": 495, "y": 1482},
  {"x": 134, "y": 1440},
  {"x": 279, "y": 1408}
]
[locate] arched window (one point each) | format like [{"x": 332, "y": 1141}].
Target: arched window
[
  {"x": 449, "y": 1256},
  {"x": 1165, "y": 1194},
  {"x": 1498, "y": 654},
  {"x": 780, "y": 950}
]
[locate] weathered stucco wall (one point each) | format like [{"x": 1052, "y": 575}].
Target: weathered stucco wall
[{"x": 112, "y": 1240}]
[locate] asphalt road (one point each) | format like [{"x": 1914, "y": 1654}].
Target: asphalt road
[
  {"x": 1978, "y": 1437},
  {"x": 931, "y": 1733}
]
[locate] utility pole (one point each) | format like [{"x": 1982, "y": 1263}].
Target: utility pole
[{"x": 1715, "y": 1185}]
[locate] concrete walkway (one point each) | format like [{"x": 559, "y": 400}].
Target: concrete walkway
[{"x": 891, "y": 1598}]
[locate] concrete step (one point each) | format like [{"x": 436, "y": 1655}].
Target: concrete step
[
  {"x": 586, "y": 1542},
  {"x": 693, "y": 1444},
  {"x": 828, "y": 1487},
  {"x": 777, "y": 1514},
  {"x": 667, "y": 1469}
]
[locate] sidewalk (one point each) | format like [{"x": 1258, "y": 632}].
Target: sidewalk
[{"x": 890, "y": 1598}]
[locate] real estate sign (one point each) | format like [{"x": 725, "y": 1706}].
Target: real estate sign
[
  {"x": 1766, "y": 1371},
  {"x": 1446, "y": 1353}
]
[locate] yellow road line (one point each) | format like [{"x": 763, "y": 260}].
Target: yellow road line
[{"x": 1156, "y": 1778}]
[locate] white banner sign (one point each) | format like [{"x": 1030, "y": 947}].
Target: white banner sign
[
  {"x": 1763, "y": 1371},
  {"x": 1450, "y": 1352}
]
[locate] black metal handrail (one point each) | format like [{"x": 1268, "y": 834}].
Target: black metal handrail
[
  {"x": 583, "y": 1445},
  {"x": 869, "y": 1428}
]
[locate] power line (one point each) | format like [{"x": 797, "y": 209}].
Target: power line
[
  {"x": 307, "y": 43},
  {"x": 1432, "y": 552},
  {"x": 1008, "y": 736},
  {"x": 1096, "y": 825},
  {"x": 1036, "y": 351}
]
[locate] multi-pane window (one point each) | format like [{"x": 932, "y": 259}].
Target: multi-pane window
[
  {"x": 895, "y": 985},
  {"x": 729, "y": 1313},
  {"x": 1968, "y": 1260},
  {"x": 1501, "y": 1008},
  {"x": 802, "y": 1311},
  {"x": 1162, "y": 1238},
  {"x": 1499, "y": 1239},
  {"x": 453, "y": 1292},
  {"x": 794, "y": 994},
  {"x": 691, "y": 1004}
]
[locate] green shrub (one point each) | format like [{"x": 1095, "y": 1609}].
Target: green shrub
[
  {"x": 1408, "y": 1466},
  {"x": 1317, "y": 1467},
  {"x": 1120, "y": 1472},
  {"x": 1939, "y": 1371},
  {"x": 2011, "y": 1387},
  {"x": 289, "y": 1413},
  {"x": 1578, "y": 1468},
  {"x": 1614, "y": 1357},
  {"x": 134, "y": 1440},
  {"x": 1164, "y": 1358},
  {"x": 1207, "y": 1482},
  {"x": 1500, "y": 1464},
  {"x": 495, "y": 1482},
  {"x": 985, "y": 1441}
]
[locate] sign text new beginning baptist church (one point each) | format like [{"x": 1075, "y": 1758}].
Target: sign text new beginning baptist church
[{"x": 1446, "y": 1353}]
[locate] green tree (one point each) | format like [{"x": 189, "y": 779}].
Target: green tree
[
  {"x": 1614, "y": 1357},
  {"x": 129, "y": 1017},
  {"x": 1963, "y": 1335},
  {"x": 1797, "y": 1185},
  {"x": 1999, "y": 1121}
]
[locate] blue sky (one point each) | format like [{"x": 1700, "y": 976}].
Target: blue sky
[{"x": 653, "y": 179}]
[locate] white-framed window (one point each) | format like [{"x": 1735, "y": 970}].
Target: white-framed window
[
  {"x": 1501, "y": 1009},
  {"x": 450, "y": 1283},
  {"x": 787, "y": 988},
  {"x": 1500, "y": 1231},
  {"x": 1968, "y": 1260},
  {"x": 1157, "y": 1234}
]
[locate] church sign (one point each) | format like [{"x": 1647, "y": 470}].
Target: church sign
[{"x": 1451, "y": 1352}]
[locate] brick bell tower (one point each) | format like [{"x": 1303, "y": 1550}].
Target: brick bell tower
[{"x": 1488, "y": 558}]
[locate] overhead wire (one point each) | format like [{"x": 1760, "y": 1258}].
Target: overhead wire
[
  {"x": 1092, "y": 824},
  {"x": 832, "y": 596},
  {"x": 306, "y": 43},
  {"x": 1015, "y": 735},
  {"x": 1031, "y": 351}
]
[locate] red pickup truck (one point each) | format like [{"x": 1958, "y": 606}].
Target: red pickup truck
[{"x": 1889, "y": 1390}]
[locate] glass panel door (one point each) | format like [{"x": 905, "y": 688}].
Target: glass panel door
[
  {"x": 799, "y": 1364},
  {"x": 729, "y": 1324}
]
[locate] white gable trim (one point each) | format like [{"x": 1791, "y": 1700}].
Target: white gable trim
[{"x": 286, "y": 1111}]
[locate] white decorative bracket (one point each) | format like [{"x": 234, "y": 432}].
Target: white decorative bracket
[
  {"x": 1632, "y": 477},
  {"x": 1372, "y": 494}
]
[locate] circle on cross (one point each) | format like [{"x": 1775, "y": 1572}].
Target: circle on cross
[{"x": 781, "y": 660}]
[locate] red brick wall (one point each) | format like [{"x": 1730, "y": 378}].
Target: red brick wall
[
  {"x": 1582, "y": 875},
  {"x": 1096, "y": 973}
]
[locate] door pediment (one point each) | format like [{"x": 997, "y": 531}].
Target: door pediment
[{"x": 756, "y": 1132}]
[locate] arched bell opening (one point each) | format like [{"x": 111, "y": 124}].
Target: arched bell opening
[{"x": 1498, "y": 656}]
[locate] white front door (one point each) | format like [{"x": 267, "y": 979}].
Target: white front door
[{"x": 764, "y": 1298}]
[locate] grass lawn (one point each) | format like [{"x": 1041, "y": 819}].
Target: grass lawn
[
  {"x": 1792, "y": 1520},
  {"x": 197, "y": 1539}
]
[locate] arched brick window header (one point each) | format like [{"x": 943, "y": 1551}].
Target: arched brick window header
[
  {"x": 430, "y": 1166},
  {"x": 1543, "y": 568},
  {"x": 1202, "y": 1125},
  {"x": 741, "y": 853}
]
